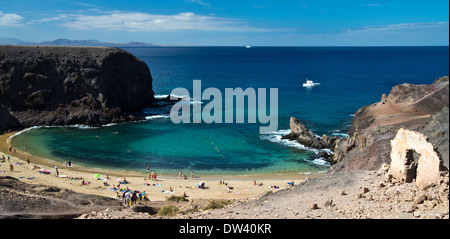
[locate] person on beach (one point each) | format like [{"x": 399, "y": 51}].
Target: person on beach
[
  {"x": 145, "y": 196},
  {"x": 192, "y": 174},
  {"x": 127, "y": 198},
  {"x": 150, "y": 176},
  {"x": 133, "y": 198},
  {"x": 11, "y": 168},
  {"x": 257, "y": 184},
  {"x": 28, "y": 160},
  {"x": 69, "y": 163},
  {"x": 180, "y": 174},
  {"x": 57, "y": 172}
]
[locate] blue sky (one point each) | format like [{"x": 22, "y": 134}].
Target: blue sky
[{"x": 231, "y": 22}]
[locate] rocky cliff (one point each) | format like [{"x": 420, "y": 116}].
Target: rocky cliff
[
  {"x": 43, "y": 85},
  {"x": 422, "y": 108}
]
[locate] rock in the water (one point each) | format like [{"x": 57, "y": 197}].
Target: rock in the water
[{"x": 306, "y": 137}]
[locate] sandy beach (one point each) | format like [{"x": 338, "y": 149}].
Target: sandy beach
[{"x": 237, "y": 187}]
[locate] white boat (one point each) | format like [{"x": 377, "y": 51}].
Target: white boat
[
  {"x": 247, "y": 47},
  {"x": 310, "y": 83}
]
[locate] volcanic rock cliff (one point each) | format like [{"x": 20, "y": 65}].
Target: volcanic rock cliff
[
  {"x": 44, "y": 85},
  {"x": 422, "y": 108}
]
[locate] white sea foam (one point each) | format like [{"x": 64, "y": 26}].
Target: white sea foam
[
  {"x": 150, "y": 117},
  {"x": 22, "y": 131},
  {"x": 162, "y": 96},
  {"x": 344, "y": 135},
  {"x": 276, "y": 138},
  {"x": 79, "y": 126},
  {"x": 110, "y": 124},
  {"x": 321, "y": 161},
  {"x": 191, "y": 101}
]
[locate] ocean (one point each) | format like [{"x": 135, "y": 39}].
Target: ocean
[{"x": 349, "y": 77}]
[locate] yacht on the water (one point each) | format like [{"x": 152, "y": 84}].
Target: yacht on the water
[{"x": 310, "y": 83}]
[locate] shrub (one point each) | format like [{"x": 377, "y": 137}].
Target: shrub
[
  {"x": 168, "y": 210},
  {"x": 216, "y": 204},
  {"x": 176, "y": 198}
]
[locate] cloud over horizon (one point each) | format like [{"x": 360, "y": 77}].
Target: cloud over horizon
[
  {"x": 10, "y": 19},
  {"x": 145, "y": 22}
]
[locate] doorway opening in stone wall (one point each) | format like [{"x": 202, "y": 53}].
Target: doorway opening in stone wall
[{"x": 412, "y": 159}]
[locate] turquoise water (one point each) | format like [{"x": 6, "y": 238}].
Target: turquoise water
[{"x": 350, "y": 78}]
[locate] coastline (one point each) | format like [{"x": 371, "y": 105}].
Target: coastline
[{"x": 243, "y": 188}]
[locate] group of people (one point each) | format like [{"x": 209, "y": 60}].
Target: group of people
[
  {"x": 132, "y": 197},
  {"x": 152, "y": 176},
  {"x": 4, "y": 159}
]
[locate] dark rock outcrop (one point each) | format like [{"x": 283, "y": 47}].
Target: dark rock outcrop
[
  {"x": 42, "y": 85},
  {"x": 306, "y": 137},
  {"x": 436, "y": 130},
  {"x": 301, "y": 134},
  {"x": 421, "y": 108}
]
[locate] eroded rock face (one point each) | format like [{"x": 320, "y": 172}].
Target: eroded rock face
[
  {"x": 41, "y": 85},
  {"x": 414, "y": 107},
  {"x": 424, "y": 165}
]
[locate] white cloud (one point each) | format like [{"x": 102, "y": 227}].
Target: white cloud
[
  {"x": 9, "y": 19},
  {"x": 402, "y": 27},
  {"x": 199, "y": 2},
  {"x": 144, "y": 22}
]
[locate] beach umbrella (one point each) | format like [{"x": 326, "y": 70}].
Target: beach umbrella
[
  {"x": 119, "y": 179},
  {"x": 97, "y": 175}
]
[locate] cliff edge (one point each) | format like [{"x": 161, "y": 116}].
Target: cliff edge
[
  {"x": 48, "y": 85},
  {"x": 422, "y": 108}
]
